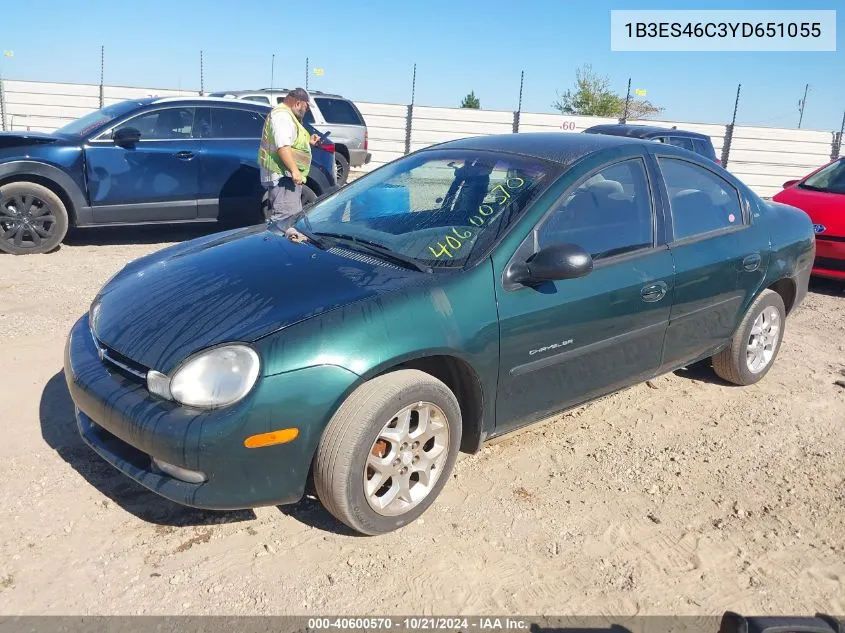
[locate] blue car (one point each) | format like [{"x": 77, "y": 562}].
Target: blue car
[{"x": 142, "y": 161}]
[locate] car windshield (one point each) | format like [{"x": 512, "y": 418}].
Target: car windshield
[
  {"x": 437, "y": 209},
  {"x": 831, "y": 179},
  {"x": 96, "y": 119}
]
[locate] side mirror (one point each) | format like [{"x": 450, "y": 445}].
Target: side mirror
[
  {"x": 553, "y": 263},
  {"x": 790, "y": 183},
  {"x": 126, "y": 136}
]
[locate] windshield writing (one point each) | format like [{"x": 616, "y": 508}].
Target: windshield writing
[
  {"x": 455, "y": 239},
  {"x": 439, "y": 207}
]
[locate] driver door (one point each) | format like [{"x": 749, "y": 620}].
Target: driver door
[
  {"x": 153, "y": 180},
  {"x": 565, "y": 342}
]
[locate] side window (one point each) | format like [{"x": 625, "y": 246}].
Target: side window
[
  {"x": 164, "y": 124},
  {"x": 338, "y": 111},
  {"x": 309, "y": 116},
  {"x": 701, "y": 201},
  {"x": 235, "y": 123},
  {"x": 682, "y": 141},
  {"x": 608, "y": 214}
]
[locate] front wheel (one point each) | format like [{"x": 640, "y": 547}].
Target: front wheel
[
  {"x": 388, "y": 451},
  {"x": 33, "y": 219},
  {"x": 755, "y": 344}
]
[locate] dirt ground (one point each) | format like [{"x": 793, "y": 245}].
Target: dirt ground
[{"x": 686, "y": 496}]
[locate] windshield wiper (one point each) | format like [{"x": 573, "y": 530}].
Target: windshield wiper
[{"x": 375, "y": 247}]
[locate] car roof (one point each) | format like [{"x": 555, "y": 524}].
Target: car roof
[
  {"x": 274, "y": 90},
  {"x": 201, "y": 100},
  {"x": 558, "y": 147},
  {"x": 641, "y": 131}
]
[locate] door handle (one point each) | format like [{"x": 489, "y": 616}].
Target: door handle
[
  {"x": 751, "y": 262},
  {"x": 653, "y": 292},
  {"x": 184, "y": 155}
]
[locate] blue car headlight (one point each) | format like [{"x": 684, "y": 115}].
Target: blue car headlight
[{"x": 211, "y": 379}]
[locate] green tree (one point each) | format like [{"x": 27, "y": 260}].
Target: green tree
[
  {"x": 592, "y": 96},
  {"x": 471, "y": 101}
]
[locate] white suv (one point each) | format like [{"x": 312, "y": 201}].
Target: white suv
[{"x": 328, "y": 113}]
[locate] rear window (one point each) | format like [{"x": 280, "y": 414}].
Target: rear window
[
  {"x": 681, "y": 141},
  {"x": 704, "y": 148},
  {"x": 338, "y": 111},
  {"x": 232, "y": 123},
  {"x": 258, "y": 98}
]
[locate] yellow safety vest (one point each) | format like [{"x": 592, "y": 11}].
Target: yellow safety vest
[{"x": 301, "y": 147}]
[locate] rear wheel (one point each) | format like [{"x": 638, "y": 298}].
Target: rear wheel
[
  {"x": 755, "y": 344},
  {"x": 308, "y": 195},
  {"x": 33, "y": 219},
  {"x": 388, "y": 451},
  {"x": 341, "y": 169}
]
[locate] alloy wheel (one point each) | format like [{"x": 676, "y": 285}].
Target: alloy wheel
[
  {"x": 763, "y": 340},
  {"x": 26, "y": 221},
  {"x": 406, "y": 459}
]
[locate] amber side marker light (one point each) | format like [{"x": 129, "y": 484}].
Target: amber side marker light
[{"x": 282, "y": 436}]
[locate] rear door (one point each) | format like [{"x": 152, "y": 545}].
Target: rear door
[
  {"x": 152, "y": 181},
  {"x": 230, "y": 183},
  {"x": 564, "y": 342},
  {"x": 719, "y": 253}
]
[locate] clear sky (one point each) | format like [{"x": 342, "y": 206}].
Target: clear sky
[{"x": 368, "y": 48}]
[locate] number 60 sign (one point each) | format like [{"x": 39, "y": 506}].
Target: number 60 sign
[{"x": 568, "y": 126}]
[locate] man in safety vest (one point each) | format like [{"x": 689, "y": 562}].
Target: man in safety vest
[{"x": 285, "y": 159}]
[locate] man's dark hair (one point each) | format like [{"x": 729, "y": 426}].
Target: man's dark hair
[{"x": 298, "y": 94}]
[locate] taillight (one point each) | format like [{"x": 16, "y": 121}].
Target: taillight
[
  {"x": 366, "y": 139},
  {"x": 329, "y": 147}
]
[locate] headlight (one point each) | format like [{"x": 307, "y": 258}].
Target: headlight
[
  {"x": 215, "y": 378},
  {"x": 93, "y": 314}
]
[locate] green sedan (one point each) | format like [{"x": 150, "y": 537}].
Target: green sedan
[{"x": 454, "y": 295}]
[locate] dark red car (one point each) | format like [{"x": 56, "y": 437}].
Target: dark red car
[{"x": 821, "y": 195}]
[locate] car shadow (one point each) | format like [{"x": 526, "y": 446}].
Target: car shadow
[
  {"x": 702, "y": 371},
  {"x": 309, "y": 511},
  {"x": 58, "y": 428},
  {"x": 829, "y": 287},
  {"x": 128, "y": 235}
]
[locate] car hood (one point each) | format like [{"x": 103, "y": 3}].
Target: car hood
[
  {"x": 22, "y": 139},
  {"x": 234, "y": 286}
]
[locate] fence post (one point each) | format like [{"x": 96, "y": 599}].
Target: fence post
[
  {"x": 102, "y": 74},
  {"x": 2, "y": 105},
  {"x": 409, "y": 118},
  {"x": 726, "y": 146},
  {"x": 837, "y": 140}
]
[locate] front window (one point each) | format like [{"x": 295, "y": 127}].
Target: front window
[
  {"x": 100, "y": 118},
  {"x": 440, "y": 208},
  {"x": 166, "y": 124},
  {"x": 831, "y": 179}
]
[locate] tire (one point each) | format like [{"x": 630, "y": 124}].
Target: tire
[
  {"x": 733, "y": 363},
  {"x": 354, "y": 433},
  {"x": 308, "y": 196},
  {"x": 341, "y": 169},
  {"x": 44, "y": 211}
]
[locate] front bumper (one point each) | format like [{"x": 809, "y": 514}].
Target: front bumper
[
  {"x": 830, "y": 258},
  {"x": 128, "y": 427}
]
